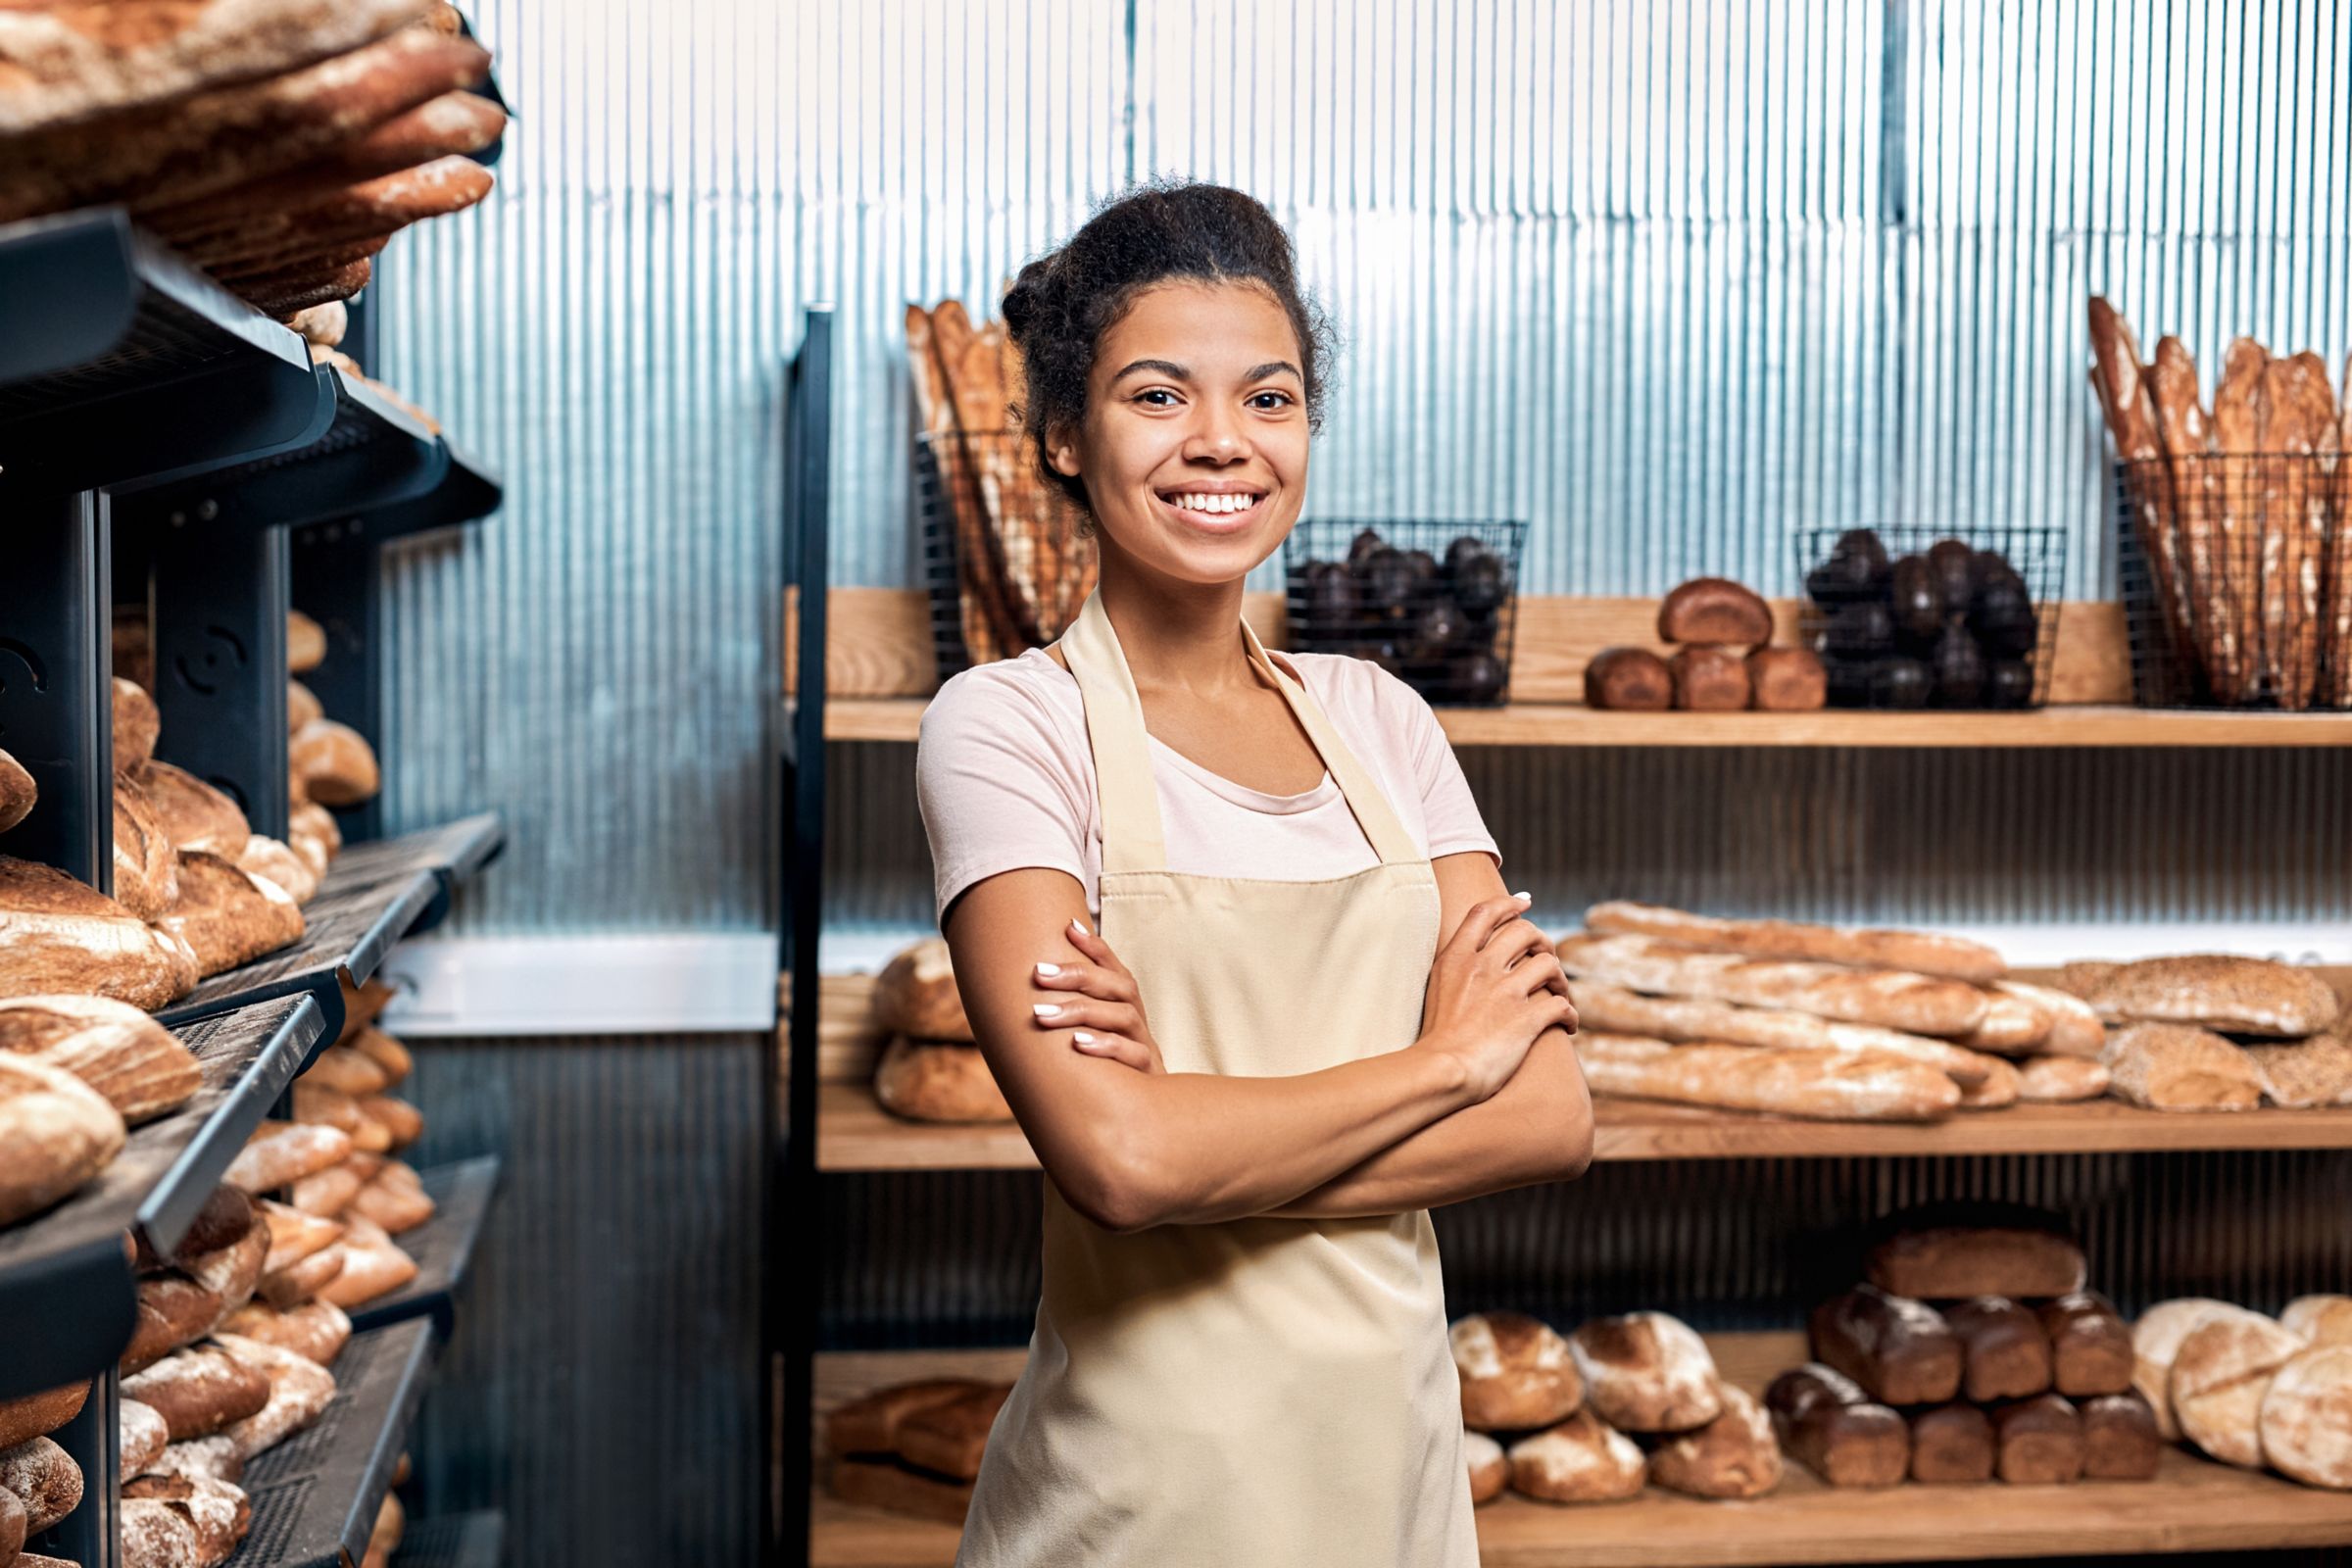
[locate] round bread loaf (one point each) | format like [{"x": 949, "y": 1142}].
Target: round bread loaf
[
  {"x": 1709, "y": 678},
  {"x": 1629, "y": 680},
  {"x": 306, "y": 643},
  {"x": 1788, "y": 680},
  {"x": 1516, "y": 1373},
  {"x": 1583, "y": 1460},
  {"x": 2223, "y": 1370},
  {"x": 2321, "y": 1319},
  {"x": 195, "y": 815},
  {"x": 930, "y": 1080},
  {"x": 1490, "y": 1467},
  {"x": 1734, "y": 1456},
  {"x": 915, "y": 994},
  {"x": 2155, "y": 1341},
  {"x": 135, "y": 1064},
  {"x": 2306, "y": 1418},
  {"x": 56, "y": 1133},
  {"x": 338, "y": 766},
  {"x": 146, "y": 866},
  {"x": 1715, "y": 610},
  {"x": 1647, "y": 1372}
]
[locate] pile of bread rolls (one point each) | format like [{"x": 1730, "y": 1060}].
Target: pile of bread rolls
[
  {"x": 915, "y": 1447},
  {"x": 2172, "y": 1048},
  {"x": 1815, "y": 1020},
  {"x": 2254, "y": 1390},
  {"x": 930, "y": 1070},
  {"x": 278, "y": 144},
  {"x": 1972, "y": 1352},
  {"x": 1720, "y": 632},
  {"x": 1595, "y": 1415}
]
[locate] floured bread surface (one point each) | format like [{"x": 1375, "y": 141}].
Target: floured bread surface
[
  {"x": 2155, "y": 1341},
  {"x": 2220, "y": 1375},
  {"x": 1516, "y": 1372},
  {"x": 2320, "y": 1319},
  {"x": 1583, "y": 1460},
  {"x": 1647, "y": 1372},
  {"x": 1489, "y": 1468},
  {"x": 2306, "y": 1418}
]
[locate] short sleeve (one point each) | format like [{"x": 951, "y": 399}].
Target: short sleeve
[
  {"x": 996, "y": 781},
  {"x": 1448, "y": 808}
]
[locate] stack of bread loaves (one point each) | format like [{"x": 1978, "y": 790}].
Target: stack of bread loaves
[
  {"x": 279, "y": 144},
  {"x": 930, "y": 1070},
  {"x": 1814, "y": 1020},
  {"x": 1550, "y": 1416},
  {"x": 1720, "y": 632},
  {"x": 915, "y": 1447},
  {"x": 2253, "y": 1391},
  {"x": 39, "y": 1482},
  {"x": 76, "y": 1074},
  {"x": 2174, "y": 1018}
]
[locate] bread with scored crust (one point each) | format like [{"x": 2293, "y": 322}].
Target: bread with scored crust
[
  {"x": 60, "y": 937},
  {"x": 1516, "y": 1372},
  {"x": 1647, "y": 1372}
]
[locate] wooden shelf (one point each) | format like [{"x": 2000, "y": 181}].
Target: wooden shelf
[
  {"x": 2192, "y": 1506},
  {"x": 2081, "y": 726},
  {"x": 854, "y": 1132}
]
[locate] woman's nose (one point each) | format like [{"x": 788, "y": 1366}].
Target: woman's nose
[{"x": 1217, "y": 439}]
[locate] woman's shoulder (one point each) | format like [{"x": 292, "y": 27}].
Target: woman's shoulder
[
  {"x": 1360, "y": 688},
  {"x": 1028, "y": 692}
]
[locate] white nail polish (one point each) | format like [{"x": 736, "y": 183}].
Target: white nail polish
[
  {"x": 1524, "y": 898},
  {"x": 1045, "y": 1010},
  {"x": 1080, "y": 927},
  {"x": 1079, "y": 1037},
  {"x": 1047, "y": 971}
]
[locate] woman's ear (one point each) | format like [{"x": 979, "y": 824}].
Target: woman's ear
[{"x": 1062, "y": 450}]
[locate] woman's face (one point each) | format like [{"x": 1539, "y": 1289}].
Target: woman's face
[{"x": 1194, "y": 445}]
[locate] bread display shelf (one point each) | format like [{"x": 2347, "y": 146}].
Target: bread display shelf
[
  {"x": 119, "y": 360},
  {"x": 2191, "y": 1506},
  {"x": 452, "y": 853},
  {"x": 66, "y": 1287},
  {"x": 443, "y": 1246},
  {"x": 454, "y": 1540},
  {"x": 855, "y": 1134},
  {"x": 316, "y": 1496},
  {"x": 467, "y": 492},
  {"x": 2081, "y": 726}
]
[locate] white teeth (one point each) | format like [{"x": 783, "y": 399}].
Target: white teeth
[{"x": 1219, "y": 502}]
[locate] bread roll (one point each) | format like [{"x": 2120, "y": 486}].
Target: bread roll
[
  {"x": 228, "y": 917},
  {"x": 316, "y": 1330},
  {"x": 1837, "y": 1431},
  {"x": 330, "y": 1192},
  {"x": 869, "y": 1424},
  {"x": 2090, "y": 1346},
  {"x": 1583, "y": 1460},
  {"x": 173, "y": 1310},
  {"x": 135, "y": 1064},
  {"x": 2170, "y": 1066},
  {"x": 373, "y": 1265},
  {"x": 2075, "y": 1029},
  {"x": 2305, "y": 1420},
  {"x": 1710, "y": 679},
  {"x": 937, "y": 1081},
  {"x": 349, "y": 1069},
  {"x": 1647, "y": 1372},
  {"x": 44, "y": 1479},
  {"x": 915, "y": 994},
  {"x": 306, "y": 643},
  {"x": 300, "y": 1390},
  {"x": 403, "y": 1123},
  {"x": 2305, "y": 1073},
  {"x": 2319, "y": 1319},
  {"x": 302, "y": 704},
  {"x": 1919, "y": 951},
  {"x": 295, "y": 1235},
  {"x": 31, "y": 1416},
  {"x": 199, "y": 1390},
  {"x": 292, "y": 1285},
  {"x": 337, "y": 766},
  {"x": 2219, "y": 991},
  {"x": 1734, "y": 1456},
  {"x": 56, "y": 1133},
  {"x": 1788, "y": 680},
  {"x": 280, "y": 1153},
  {"x": 1613, "y": 1009},
  {"x": 2119, "y": 1439},
  {"x": 2155, "y": 1340},
  {"x": 146, "y": 865},
  {"x": 1912, "y": 1002},
  {"x": 1489, "y": 1468},
  {"x": 1628, "y": 680},
  {"x": 2060, "y": 1080},
  {"x": 1830, "y": 1085},
  {"x": 948, "y": 1438},
  {"x": 1516, "y": 1373},
  {"x": 379, "y": 1047},
  {"x": 143, "y": 1436},
  {"x": 61, "y": 938},
  {"x": 1949, "y": 1253},
  {"x": 2005, "y": 1352},
  {"x": 18, "y": 793},
  {"x": 1715, "y": 610},
  {"x": 2038, "y": 1441},
  {"x": 393, "y": 1199},
  {"x": 2220, "y": 1375},
  {"x": 194, "y": 814}
]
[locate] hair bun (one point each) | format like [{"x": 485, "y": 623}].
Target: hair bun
[{"x": 1026, "y": 302}]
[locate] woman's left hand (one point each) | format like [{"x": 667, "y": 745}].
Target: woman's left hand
[{"x": 1104, "y": 1006}]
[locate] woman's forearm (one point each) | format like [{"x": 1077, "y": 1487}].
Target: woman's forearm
[{"x": 1539, "y": 1128}]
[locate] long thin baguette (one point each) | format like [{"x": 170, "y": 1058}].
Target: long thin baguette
[
  {"x": 1613, "y": 1009},
  {"x": 2207, "y": 629},
  {"x": 2336, "y": 591},
  {"x": 2118, "y": 378},
  {"x": 2013, "y": 1025},
  {"x": 2237, "y": 437},
  {"x": 2302, "y": 425},
  {"x": 1920, "y": 952},
  {"x": 2075, "y": 1026},
  {"x": 1824, "y": 1085},
  {"x": 1919, "y": 1005}
]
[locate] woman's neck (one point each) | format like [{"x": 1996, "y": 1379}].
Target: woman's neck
[{"x": 1177, "y": 636}]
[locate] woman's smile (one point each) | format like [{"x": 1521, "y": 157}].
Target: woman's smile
[{"x": 1221, "y": 509}]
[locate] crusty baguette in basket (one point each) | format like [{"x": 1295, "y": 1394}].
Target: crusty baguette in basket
[
  {"x": 2301, "y": 410},
  {"x": 2236, "y": 437},
  {"x": 987, "y": 636},
  {"x": 2337, "y": 593},
  {"x": 2116, "y": 376},
  {"x": 2186, "y": 431}
]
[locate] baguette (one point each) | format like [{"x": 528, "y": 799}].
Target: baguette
[
  {"x": 2075, "y": 1026},
  {"x": 2205, "y": 627},
  {"x": 317, "y": 1331},
  {"x": 280, "y": 1153},
  {"x": 29, "y": 1415},
  {"x": 2122, "y": 386},
  {"x": 1921, "y": 953},
  {"x": 1824, "y": 1085},
  {"x": 300, "y": 1390},
  {"x": 199, "y": 1390},
  {"x": 141, "y": 1437},
  {"x": 2336, "y": 578},
  {"x": 2237, "y": 436},
  {"x": 1613, "y": 1009},
  {"x": 2013, "y": 1025},
  {"x": 1912, "y": 1002},
  {"x": 2061, "y": 1080},
  {"x": 44, "y": 1479},
  {"x": 173, "y": 1310},
  {"x": 2301, "y": 426},
  {"x": 2000, "y": 1087}
]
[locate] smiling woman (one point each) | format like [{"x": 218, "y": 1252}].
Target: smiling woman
[{"x": 1233, "y": 939}]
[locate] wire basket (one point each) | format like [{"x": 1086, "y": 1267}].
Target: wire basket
[
  {"x": 2237, "y": 578},
  {"x": 1432, "y": 603},
  {"x": 1002, "y": 556},
  {"x": 1910, "y": 617}
]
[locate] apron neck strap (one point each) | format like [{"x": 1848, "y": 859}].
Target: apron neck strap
[{"x": 1132, "y": 838}]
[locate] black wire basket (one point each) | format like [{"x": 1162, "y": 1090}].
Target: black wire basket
[
  {"x": 2236, "y": 578},
  {"x": 1002, "y": 557},
  {"x": 1432, "y": 603},
  {"x": 1912, "y": 618}
]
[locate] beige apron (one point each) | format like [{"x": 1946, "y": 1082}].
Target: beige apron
[{"x": 1265, "y": 1392}]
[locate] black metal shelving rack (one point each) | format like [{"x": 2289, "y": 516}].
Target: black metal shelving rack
[{"x": 156, "y": 429}]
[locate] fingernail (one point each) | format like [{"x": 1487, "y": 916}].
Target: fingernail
[
  {"x": 1079, "y": 926},
  {"x": 1082, "y": 1039},
  {"x": 1524, "y": 898},
  {"x": 1045, "y": 1010},
  {"x": 1047, "y": 971}
]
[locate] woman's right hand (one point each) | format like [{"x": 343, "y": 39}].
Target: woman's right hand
[{"x": 1492, "y": 989}]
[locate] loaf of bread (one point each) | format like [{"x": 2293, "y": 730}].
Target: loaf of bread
[
  {"x": 2005, "y": 1352},
  {"x": 300, "y": 1390},
  {"x": 1613, "y": 1009},
  {"x": 302, "y": 704},
  {"x": 227, "y": 917},
  {"x": 1829, "y": 1085},
  {"x": 2174, "y": 1067},
  {"x": 328, "y": 1193},
  {"x": 232, "y": 1271},
  {"x": 1837, "y": 1431},
  {"x": 2090, "y": 1345},
  {"x": 61, "y": 938},
  {"x": 948, "y": 1438},
  {"x": 146, "y": 865},
  {"x": 1788, "y": 680},
  {"x": 2013, "y": 1025},
  {"x": 316, "y": 1330},
  {"x": 1631, "y": 681},
  {"x": 1951, "y": 1444},
  {"x": 915, "y": 994},
  {"x": 2075, "y": 1026},
  {"x": 2220, "y": 1374},
  {"x": 1710, "y": 679},
  {"x": 1734, "y": 1456},
  {"x": 1919, "y": 951},
  {"x": 44, "y": 1478},
  {"x": 1490, "y": 1467},
  {"x": 18, "y": 793},
  {"x": 888, "y": 1485},
  {"x": 135, "y": 1064},
  {"x": 295, "y": 1235},
  {"x": 2061, "y": 1080},
  {"x": 337, "y": 766},
  {"x": 1583, "y": 1460},
  {"x": 2311, "y": 1073},
  {"x": 2001, "y": 1087},
  {"x": 32, "y": 1416},
  {"x": 2306, "y": 1418},
  {"x": 291, "y": 1287},
  {"x": 56, "y": 1133},
  {"x": 138, "y": 723},
  {"x": 270, "y": 860},
  {"x": 1912, "y": 1002},
  {"x": 14, "y": 1523},
  {"x": 349, "y": 1069},
  {"x": 143, "y": 1436},
  {"x": 1516, "y": 1373},
  {"x": 2155, "y": 1340},
  {"x": 2119, "y": 1439},
  {"x": 927, "y": 1080},
  {"x": 186, "y": 1521},
  {"x": 2210, "y": 990},
  {"x": 318, "y": 1105},
  {"x": 1647, "y": 1372},
  {"x": 1900, "y": 1351},
  {"x": 194, "y": 814},
  {"x": 199, "y": 1390},
  {"x": 869, "y": 1424},
  {"x": 1715, "y": 610},
  {"x": 173, "y": 1310},
  {"x": 1950, "y": 1253},
  {"x": 2319, "y": 1319},
  {"x": 394, "y": 1199},
  {"x": 282, "y": 1152},
  {"x": 373, "y": 1043},
  {"x": 2038, "y": 1441},
  {"x": 391, "y": 1525},
  {"x": 402, "y": 1123},
  {"x": 373, "y": 1265}
]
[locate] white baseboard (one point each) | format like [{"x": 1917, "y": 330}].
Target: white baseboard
[{"x": 623, "y": 984}]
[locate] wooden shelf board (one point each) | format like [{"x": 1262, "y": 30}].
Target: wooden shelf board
[
  {"x": 2192, "y": 1506},
  {"x": 2081, "y": 726},
  {"x": 855, "y": 1134}
]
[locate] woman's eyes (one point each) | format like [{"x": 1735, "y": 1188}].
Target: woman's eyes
[
  {"x": 1270, "y": 401},
  {"x": 1161, "y": 397}
]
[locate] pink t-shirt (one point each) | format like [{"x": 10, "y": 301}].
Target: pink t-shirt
[{"x": 1007, "y": 780}]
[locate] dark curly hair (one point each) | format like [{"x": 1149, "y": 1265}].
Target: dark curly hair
[{"x": 1065, "y": 300}]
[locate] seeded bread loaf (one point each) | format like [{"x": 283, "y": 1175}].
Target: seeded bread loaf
[
  {"x": 2174, "y": 1067},
  {"x": 2220, "y": 992}
]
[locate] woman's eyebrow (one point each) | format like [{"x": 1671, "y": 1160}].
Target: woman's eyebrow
[
  {"x": 1258, "y": 372},
  {"x": 1166, "y": 367}
]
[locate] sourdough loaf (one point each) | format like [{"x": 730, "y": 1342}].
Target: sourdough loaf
[
  {"x": 29, "y": 1415},
  {"x": 1490, "y": 1467},
  {"x": 1915, "y": 1004},
  {"x": 1583, "y": 1460},
  {"x": 268, "y": 859},
  {"x": 194, "y": 814},
  {"x": 135, "y": 1064},
  {"x": 373, "y": 1265},
  {"x": 926, "y": 1080},
  {"x": 146, "y": 866},
  {"x": 2320, "y": 1319},
  {"x": 142, "y": 1437},
  {"x": 2220, "y": 1374},
  {"x": 915, "y": 994},
  {"x": 280, "y": 1153},
  {"x": 1647, "y": 1372},
  {"x": 1734, "y": 1456},
  {"x": 18, "y": 793},
  {"x": 45, "y": 1480},
  {"x": 337, "y": 766},
  {"x": 1715, "y": 610},
  {"x": 2155, "y": 1341},
  {"x": 1710, "y": 679},
  {"x": 948, "y": 1438},
  {"x": 1788, "y": 680},
  {"x": 199, "y": 1390},
  {"x": 1632, "y": 680},
  {"x": 2306, "y": 1418},
  {"x": 869, "y": 1423},
  {"x": 56, "y": 1133},
  {"x": 229, "y": 916},
  {"x": 300, "y": 1390},
  {"x": 173, "y": 1310},
  {"x": 60, "y": 937},
  {"x": 1516, "y": 1372}
]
